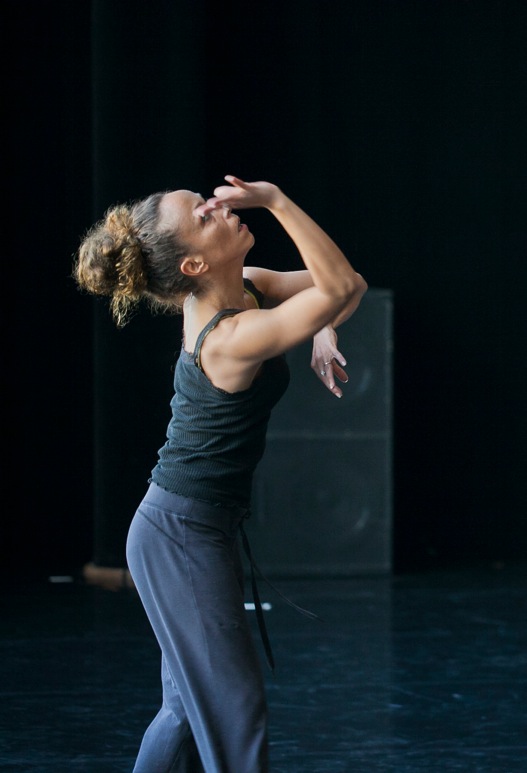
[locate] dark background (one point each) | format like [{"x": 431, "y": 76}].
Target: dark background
[{"x": 400, "y": 126}]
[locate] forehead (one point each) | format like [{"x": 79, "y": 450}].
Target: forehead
[{"x": 176, "y": 208}]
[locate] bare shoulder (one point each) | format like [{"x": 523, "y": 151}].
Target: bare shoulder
[
  {"x": 220, "y": 339},
  {"x": 226, "y": 352}
]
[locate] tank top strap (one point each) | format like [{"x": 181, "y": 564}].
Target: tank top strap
[
  {"x": 206, "y": 330},
  {"x": 250, "y": 288},
  {"x": 254, "y": 292}
]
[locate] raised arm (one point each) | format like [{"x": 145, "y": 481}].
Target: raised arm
[{"x": 333, "y": 285}]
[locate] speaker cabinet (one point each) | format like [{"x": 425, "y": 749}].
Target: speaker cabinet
[{"x": 322, "y": 495}]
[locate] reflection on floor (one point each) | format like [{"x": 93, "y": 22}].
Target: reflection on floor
[{"x": 425, "y": 672}]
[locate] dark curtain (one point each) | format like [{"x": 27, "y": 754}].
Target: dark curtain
[
  {"x": 399, "y": 125},
  {"x": 148, "y": 112}
]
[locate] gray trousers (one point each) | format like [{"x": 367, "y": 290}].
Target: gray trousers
[{"x": 184, "y": 558}]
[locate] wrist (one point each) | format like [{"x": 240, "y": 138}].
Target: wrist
[{"x": 279, "y": 201}]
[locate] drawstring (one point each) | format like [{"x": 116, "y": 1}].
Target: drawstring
[{"x": 257, "y": 604}]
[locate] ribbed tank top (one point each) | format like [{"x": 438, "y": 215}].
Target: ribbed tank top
[{"x": 215, "y": 438}]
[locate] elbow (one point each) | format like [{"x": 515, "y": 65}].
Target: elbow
[
  {"x": 362, "y": 285},
  {"x": 355, "y": 287}
]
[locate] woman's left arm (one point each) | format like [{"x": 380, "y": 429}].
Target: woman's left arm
[{"x": 326, "y": 360}]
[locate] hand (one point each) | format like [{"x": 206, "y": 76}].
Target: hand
[
  {"x": 327, "y": 361},
  {"x": 240, "y": 195}
]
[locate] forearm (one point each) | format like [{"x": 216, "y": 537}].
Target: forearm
[
  {"x": 329, "y": 268},
  {"x": 345, "y": 313}
]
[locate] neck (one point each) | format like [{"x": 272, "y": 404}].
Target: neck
[{"x": 229, "y": 295}]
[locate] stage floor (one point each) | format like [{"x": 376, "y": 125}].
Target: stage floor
[{"x": 423, "y": 672}]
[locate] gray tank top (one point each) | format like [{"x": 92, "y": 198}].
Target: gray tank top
[{"x": 215, "y": 438}]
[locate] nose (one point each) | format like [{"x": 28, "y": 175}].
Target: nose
[{"x": 227, "y": 210}]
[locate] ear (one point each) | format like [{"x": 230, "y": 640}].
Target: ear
[{"x": 193, "y": 266}]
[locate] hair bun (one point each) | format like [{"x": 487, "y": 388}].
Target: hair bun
[{"x": 111, "y": 261}]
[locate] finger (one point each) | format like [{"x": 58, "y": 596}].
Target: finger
[
  {"x": 324, "y": 367},
  {"x": 337, "y": 362},
  {"x": 340, "y": 373},
  {"x": 228, "y": 192},
  {"x": 326, "y": 376},
  {"x": 239, "y": 183},
  {"x": 209, "y": 206},
  {"x": 236, "y": 186},
  {"x": 334, "y": 389}
]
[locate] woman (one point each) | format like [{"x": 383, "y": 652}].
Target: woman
[{"x": 179, "y": 252}]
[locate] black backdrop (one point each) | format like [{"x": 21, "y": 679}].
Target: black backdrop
[{"x": 400, "y": 125}]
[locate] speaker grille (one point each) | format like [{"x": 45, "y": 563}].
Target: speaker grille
[{"x": 322, "y": 497}]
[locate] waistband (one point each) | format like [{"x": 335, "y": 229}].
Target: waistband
[{"x": 219, "y": 516}]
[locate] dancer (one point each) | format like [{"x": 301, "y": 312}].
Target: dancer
[{"x": 181, "y": 253}]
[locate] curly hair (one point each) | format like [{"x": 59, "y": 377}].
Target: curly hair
[{"x": 127, "y": 257}]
